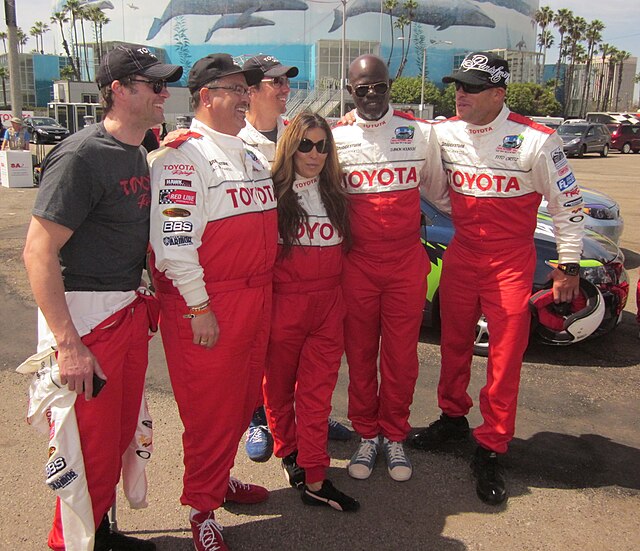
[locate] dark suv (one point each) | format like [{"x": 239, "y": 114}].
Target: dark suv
[
  {"x": 625, "y": 137},
  {"x": 584, "y": 137}
]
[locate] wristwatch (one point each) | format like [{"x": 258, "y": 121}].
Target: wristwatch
[{"x": 570, "y": 268}]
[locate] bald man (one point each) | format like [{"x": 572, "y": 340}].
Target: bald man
[{"x": 384, "y": 158}]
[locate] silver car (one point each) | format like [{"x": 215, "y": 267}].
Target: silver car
[{"x": 602, "y": 214}]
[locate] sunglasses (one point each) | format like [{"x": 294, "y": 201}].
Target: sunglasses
[
  {"x": 156, "y": 85},
  {"x": 379, "y": 88},
  {"x": 472, "y": 88},
  {"x": 278, "y": 82},
  {"x": 306, "y": 145},
  {"x": 236, "y": 89}
]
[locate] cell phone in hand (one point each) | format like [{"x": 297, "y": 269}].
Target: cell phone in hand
[{"x": 98, "y": 385}]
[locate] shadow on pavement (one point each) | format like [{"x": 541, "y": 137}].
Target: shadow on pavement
[{"x": 412, "y": 515}]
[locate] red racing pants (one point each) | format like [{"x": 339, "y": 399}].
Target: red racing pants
[
  {"x": 497, "y": 285},
  {"x": 216, "y": 389},
  {"x": 303, "y": 360},
  {"x": 107, "y": 423},
  {"x": 384, "y": 292}
]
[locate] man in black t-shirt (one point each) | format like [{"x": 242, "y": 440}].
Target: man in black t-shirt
[{"x": 84, "y": 256}]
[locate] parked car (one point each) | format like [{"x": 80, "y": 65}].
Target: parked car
[
  {"x": 46, "y": 130},
  {"x": 625, "y": 137},
  {"x": 580, "y": 138},
  {"x": 602, "y": 264},
  {"x": 603, "y": 214}
]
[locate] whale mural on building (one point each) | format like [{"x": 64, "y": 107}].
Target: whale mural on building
[
  {"x": 176, "y": 8},
  {"x": 239, "y": 21},
  {"x": 442, "y": 14}
]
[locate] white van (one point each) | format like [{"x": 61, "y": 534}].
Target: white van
[{"x": 551, "y": 122}]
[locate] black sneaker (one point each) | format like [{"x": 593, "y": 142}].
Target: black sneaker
[
  {"x": 293, "y": 472},
  {"x": 106, "y": 540},
  {"x": 331, "y": 497},
  {"x": 444, "y": 430},
  {"x": 489, "y": 474}
]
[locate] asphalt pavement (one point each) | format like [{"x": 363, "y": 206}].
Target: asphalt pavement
[{"x": 573, "y": 468}]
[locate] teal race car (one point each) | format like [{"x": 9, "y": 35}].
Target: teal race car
[{"x": 602, "y": 264}]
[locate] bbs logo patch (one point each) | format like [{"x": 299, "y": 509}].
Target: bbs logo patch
[
  {"x": 172, "y": 226},
  {"x": 54, "y": 467}
]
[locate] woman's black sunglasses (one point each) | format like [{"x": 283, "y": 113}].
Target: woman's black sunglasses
[
  {"x": 472, "y": 88},
  {"x": 307, "y": 145}
]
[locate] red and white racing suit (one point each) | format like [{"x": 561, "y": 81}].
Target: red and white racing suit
[
  {"x": 214, "y": 236},
  {"x": 496, "y": 177},
  {"x": 306, "y": 342},
  {"x": 259, "y": 141},
  {"x": 87, "y": 440},
  {"x": 384, "y": 274}
]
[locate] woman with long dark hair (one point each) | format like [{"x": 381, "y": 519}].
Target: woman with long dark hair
[{"x": 306, "y": 342}]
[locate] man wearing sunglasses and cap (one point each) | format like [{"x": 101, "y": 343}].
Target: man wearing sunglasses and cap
[
  {"x": 498, "y": 165},
  {"x": 268, "y": 102},
  {"x": 384, "y": 157},
  {"x": 84, "y": 254},
  {"x": 214, "y": 241}
]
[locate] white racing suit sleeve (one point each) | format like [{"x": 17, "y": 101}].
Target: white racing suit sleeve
[
  {"x": 554, "y": 179},
  {"x": 178, "y": 220},
  {"x": 433, "y": 179},
  {"x": 135, "y": 459}
]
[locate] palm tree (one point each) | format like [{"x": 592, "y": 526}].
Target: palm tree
[
  {"x": 3, "y": 37},
  {"x": 611, "y": 65},
  {"x": 38, "y": 30},
  {"x": 405, "y": 21},
  {"x": 561, "y": 20},
  {"x": 593, "y": 35},
  {"x": 23, "y": 38},
  {"x": 4, "y": 75},
  {"x": 575, "y": 32},
  {"x": 72, "y": 7},
  {"x": 82, "y": 15},
  {"x": 543, "y": 17},
  {"x": 60, "y": 17},
  {"x": 545, "y": 40},
  {"x": 604, "y": 49},
  {"x": 620, "y": 59},
  {"x": 389, "y": 6}
]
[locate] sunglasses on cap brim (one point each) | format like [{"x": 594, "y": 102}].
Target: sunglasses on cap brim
[{"x": 306, "y": 145}]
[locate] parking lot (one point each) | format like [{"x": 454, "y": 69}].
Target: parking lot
[{"x": 573, "y": 468}]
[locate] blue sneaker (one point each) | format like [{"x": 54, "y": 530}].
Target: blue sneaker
[
  {"x": 364, "y": 459},
  {"x": 259, "y": 444},
  {"x": 337, "y": 431},
  {"x": 398, "y": 463}
]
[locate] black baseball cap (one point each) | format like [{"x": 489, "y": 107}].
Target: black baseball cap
[
  {"x": 270, "y": 66},
  {"x": 126, "y": 60},
  {"x": 482, "y": 68},
  {"x": 215, "y": 66}
]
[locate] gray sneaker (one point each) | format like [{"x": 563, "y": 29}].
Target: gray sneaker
[
  {"x": 362, "y": 462},
  {"x": 398, "y": 463}
]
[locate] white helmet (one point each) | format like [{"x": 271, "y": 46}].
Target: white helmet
[{"x": 567, "y": 323}]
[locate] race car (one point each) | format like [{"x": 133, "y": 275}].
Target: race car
[{"x": 602, "y": 264}]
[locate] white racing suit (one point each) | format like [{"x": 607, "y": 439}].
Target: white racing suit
[{"x": 257, "y": 139}]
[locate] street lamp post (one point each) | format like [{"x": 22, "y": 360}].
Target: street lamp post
[{"x": 432, "y": 42}]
